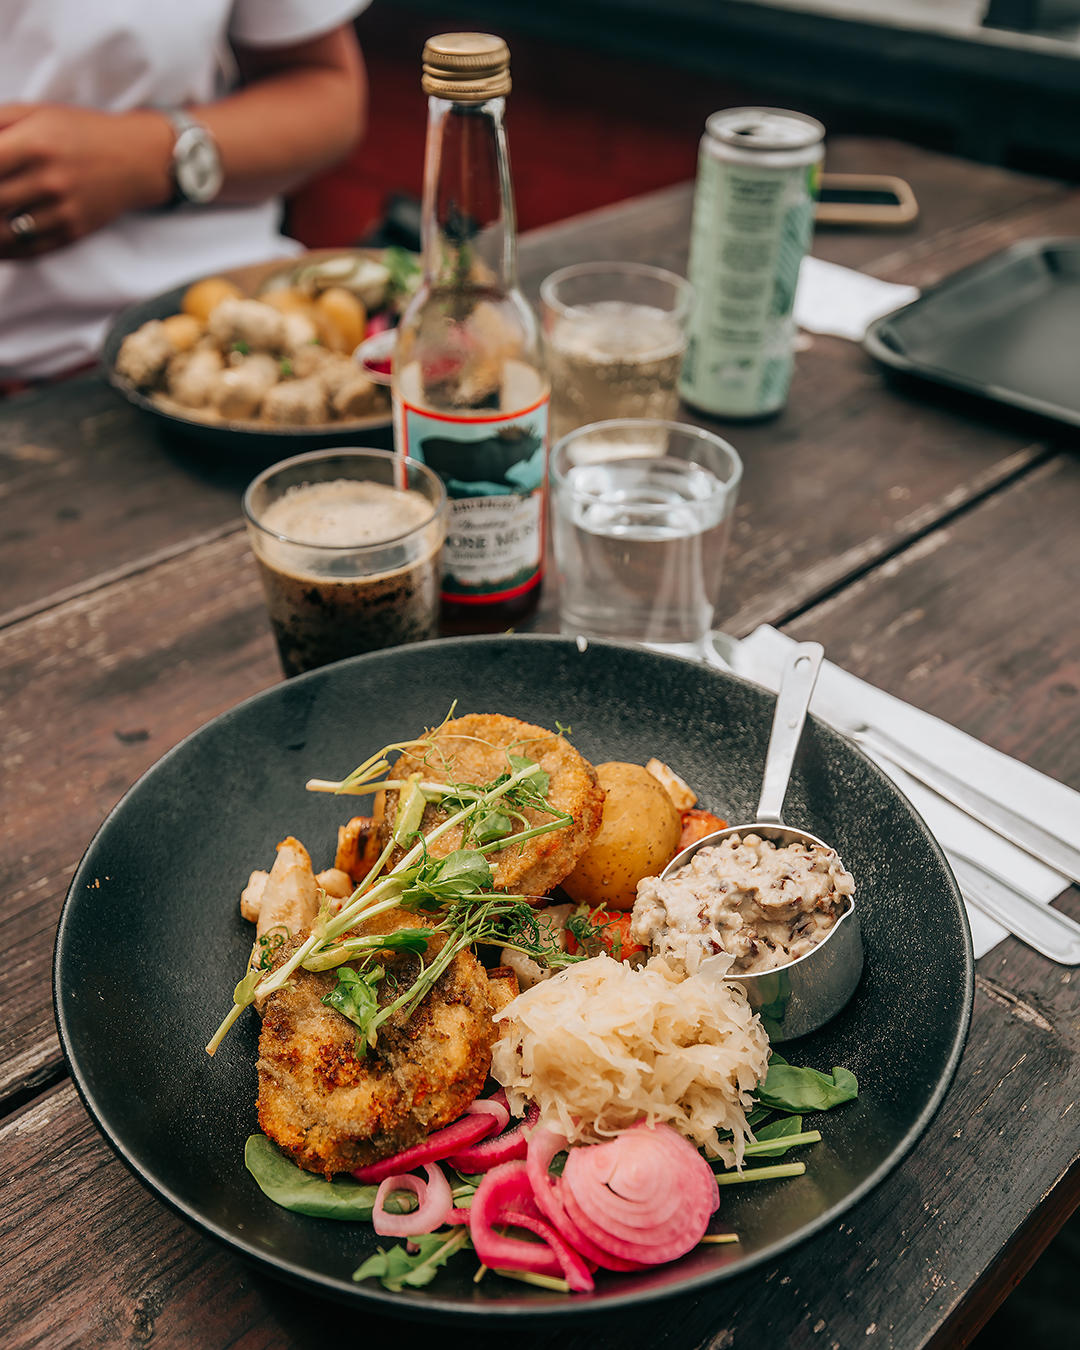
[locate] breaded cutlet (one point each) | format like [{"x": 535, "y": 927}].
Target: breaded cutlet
[
  {"x": 331, "y": 1110},
  {"x": 473, "y": 749}
]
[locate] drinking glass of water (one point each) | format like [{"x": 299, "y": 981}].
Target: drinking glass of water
[
  {"x": 641, "y": 512},
  {"x": 615, "y": 335}
]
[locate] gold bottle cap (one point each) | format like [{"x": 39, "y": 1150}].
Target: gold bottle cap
[{"x": 466, "y": 67}]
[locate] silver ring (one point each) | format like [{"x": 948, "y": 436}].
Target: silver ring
[{"x": 23, "y": 226}]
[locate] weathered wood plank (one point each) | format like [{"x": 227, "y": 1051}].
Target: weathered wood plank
[
  {"x": 105, "y": 1265},
  {"x": 86, "y": 485},
  {"x": 951, "y": 193},
  {"x": 93, "y": 693},
  {"x": 980, "y": 623},
  {"x": 925, "y": 263}
]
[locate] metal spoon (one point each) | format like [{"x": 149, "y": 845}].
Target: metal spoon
[{"x": 803, "y": 995}]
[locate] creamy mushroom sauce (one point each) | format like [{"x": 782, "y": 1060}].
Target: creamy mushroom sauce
[{"x": 763, "y": 905}]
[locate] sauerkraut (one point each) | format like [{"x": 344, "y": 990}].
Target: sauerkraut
[{"x": 601, "y": 1046}]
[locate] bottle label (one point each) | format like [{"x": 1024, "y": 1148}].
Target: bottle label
[{"x": 494, "y": 470}]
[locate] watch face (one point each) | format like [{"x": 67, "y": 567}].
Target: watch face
[{"x": 198, "y": 166}]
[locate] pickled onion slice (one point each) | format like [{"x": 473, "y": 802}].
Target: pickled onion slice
[
  {"x": 618, "y": 1194},
  {"x": 436, "y": 1202},
  {"x": 434, "y": 1148},
  {"x": 543, "y": 1145},
  {"x": 510, "y": 1146},
  {"x": 505, "y": 1196},
  {"x": 491, "y": 1106}
]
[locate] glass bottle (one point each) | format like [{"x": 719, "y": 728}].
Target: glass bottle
[{"x": 470, "y": 393}]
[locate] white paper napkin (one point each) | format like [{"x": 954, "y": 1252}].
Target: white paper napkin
[
  {"x": 836, "y": 300},
  {"x": 760, "y": 658}
]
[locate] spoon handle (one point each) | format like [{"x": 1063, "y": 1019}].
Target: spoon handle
[{"x": 796, "y": 686}]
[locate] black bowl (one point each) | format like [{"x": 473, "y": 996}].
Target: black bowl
[
  {"x": 250, "y": 442},
  {"x": 151, "y": 942}
]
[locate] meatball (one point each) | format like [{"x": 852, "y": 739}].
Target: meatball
[
  {"x": 144, "y": 354},
  {"x": 300, "y": 402},
  {"x": 258, "y": 326},
  {"x": 240, "y": 390},
  {"x": 192, "y": 376},
  {"x": 358, "y": 398}
]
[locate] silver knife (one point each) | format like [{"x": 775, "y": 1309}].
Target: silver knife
[
  {"x": 1047, "y": 930},
  {"x": 1025, "y": 834}
]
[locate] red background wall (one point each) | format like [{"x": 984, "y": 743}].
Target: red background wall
[{"x": 585, "y": 130}]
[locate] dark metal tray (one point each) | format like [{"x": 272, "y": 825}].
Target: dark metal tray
[{"x": 1007, "y": 328}]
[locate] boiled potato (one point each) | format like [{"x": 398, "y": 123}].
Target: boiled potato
[
  {"x": 184, "y": 331},
  {"x": 289, "y": 300},
  {"x": 637, "y": 838},
  {"x": 204, "y": 297},
  {"x": 342, "y": 319}
]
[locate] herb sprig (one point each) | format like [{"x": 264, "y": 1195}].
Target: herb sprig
[{"x": 458, "y": 886}]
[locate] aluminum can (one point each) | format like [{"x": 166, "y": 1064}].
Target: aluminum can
[{"x": 759, "y": 172}]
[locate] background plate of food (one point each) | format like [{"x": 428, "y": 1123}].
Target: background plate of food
[
  {"x": 152, "y": 942},
  {"x": 259, "y": 361}
]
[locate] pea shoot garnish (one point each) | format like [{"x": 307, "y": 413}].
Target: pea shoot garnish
[{"x": 459, "y": 888}]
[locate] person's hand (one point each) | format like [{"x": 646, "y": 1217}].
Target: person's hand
[{"x": 67, "y": 171}]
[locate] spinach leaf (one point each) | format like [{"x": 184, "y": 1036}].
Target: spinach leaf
[
  {"x": 779, "y": 1129},
  {"x": 787, "y": 1088},
  {"x": 303, "y": 1192},
  {"x": 395, "y": 1267}
]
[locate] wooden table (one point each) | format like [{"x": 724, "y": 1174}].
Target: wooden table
[{"x": 930, "y": 542}]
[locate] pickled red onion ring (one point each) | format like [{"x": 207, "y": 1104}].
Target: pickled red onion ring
[
  {"x": 619, "y": 1194},
  {"x": 505, "y": 1196},
  {"x": 543, "y": 1145},
  {"x": 467, "y": 1130},
  {"x": 436, "y": 1202},
  {"x": 510, "y": 1146},
  {"x": 492, "y": 1107}
]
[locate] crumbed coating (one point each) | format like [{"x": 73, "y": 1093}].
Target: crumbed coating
[
  {"x": 332, "y": 1111},
  {"x": 356, "y": 398},
  {"x": 192, "y": 376},
  {"x": 144, "y": 353},
  {"x": 241, "y": 388},
  {"x": 473, "y": 749},
  {"x": 260, "y": 326},
  {"x": 296, "y": 402}
]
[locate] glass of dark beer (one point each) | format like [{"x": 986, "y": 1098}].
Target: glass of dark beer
[{"x": 349, "y": 546}]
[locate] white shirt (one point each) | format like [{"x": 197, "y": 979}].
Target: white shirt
[{"x": 116, "y": 55}]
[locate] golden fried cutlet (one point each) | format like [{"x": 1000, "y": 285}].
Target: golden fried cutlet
[
  {"x": 473, "y": 749},
  {"x": 330, "y": 1110}
]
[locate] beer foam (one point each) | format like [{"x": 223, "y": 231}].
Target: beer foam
[{"x": 345, "y": 513}]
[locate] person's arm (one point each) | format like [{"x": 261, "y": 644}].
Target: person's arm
[{"x": 74, "y": 169}]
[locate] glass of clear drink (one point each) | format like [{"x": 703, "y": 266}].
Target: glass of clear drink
[
  {"x": 641, "y": 512},
  {"x": 349, "y": 548},
  {"x": 615, "y": 335}
]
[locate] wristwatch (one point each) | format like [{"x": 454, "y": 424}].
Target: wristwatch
[{"x": 196, "y": 161}]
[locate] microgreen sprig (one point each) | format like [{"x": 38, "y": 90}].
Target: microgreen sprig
[{"x": 520, "y": 786}]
